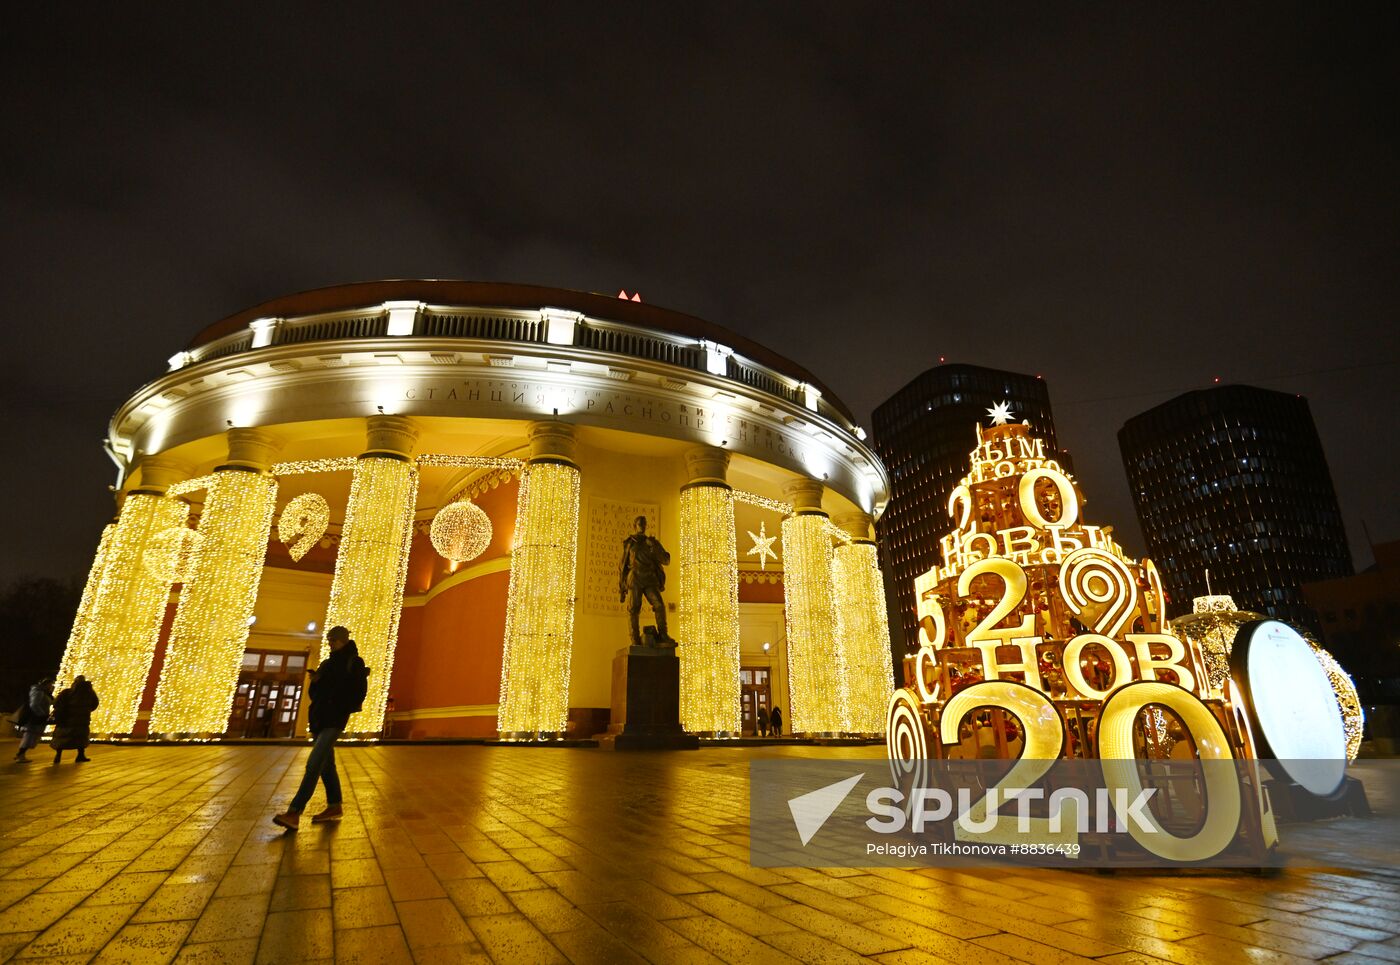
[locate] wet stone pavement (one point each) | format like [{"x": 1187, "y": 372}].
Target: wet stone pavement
[{"x": 486, "y": 854}]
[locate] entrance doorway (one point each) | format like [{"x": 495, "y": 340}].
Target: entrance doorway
[
  {"x": 268, "y": 695},
  {"x": 755, "y": 694}
]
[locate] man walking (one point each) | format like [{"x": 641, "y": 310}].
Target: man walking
[
  {"x": 337, "y": 690},
  {"x": 35, "y": 717}
]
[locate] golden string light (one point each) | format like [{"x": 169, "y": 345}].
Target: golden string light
[
  {"x": 754, "y": 499},
  {"x": 708, "y": 617},
  {"x": 114, "y": 643},
  {"x": 205, "y": 650},
  {"x": 469, "y": 462},
  {"x": 77, "y": 637},
  {"x": 816, "y": 662},
  {"x": 370, "y": 570},
  {"x": 303, "y": 522},
  {"x": 187, "y": 486},
  {"x": 540, "y": 606},
  {"x": 460, "y": 531},
  {"x": 170, "y": 555},
  {"x": 303, "y": 466},
  {"x": 862, "y": 627}
]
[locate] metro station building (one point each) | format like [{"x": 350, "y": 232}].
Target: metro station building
[{"x": 449, "y": 469}]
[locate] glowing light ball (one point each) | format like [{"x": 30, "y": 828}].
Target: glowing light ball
[{"x": 461, "y": 531}]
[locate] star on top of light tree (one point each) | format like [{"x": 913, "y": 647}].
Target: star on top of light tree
[
  {"x": 762, "y": 545},
  {"x": 999, "y": 413}
]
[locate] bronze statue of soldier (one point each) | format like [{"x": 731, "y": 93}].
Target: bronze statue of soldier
[{"x": 643, "y": 577}]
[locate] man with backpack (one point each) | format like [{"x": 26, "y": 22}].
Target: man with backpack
[{"x": 338, "y": 689}]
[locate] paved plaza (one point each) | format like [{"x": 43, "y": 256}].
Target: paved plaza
[{"x": 490, "y": 854}]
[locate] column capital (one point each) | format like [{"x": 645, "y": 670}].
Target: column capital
[
  {"x": 159, "y": 473},
  {"x": 707, "y": 464},
  {"x": 552, "y": 441},
  {"x": 856, "y": 525},
  {"x": 390, "y": 435},
  {"x": 804, "y": 494},
  {"x": 252, "y": 449}
]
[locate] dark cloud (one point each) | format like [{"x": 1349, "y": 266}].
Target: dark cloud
[{"x": 1130, "y": 200}]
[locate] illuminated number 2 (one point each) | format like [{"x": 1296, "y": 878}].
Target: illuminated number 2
[{"x": 1045, "y": 735}]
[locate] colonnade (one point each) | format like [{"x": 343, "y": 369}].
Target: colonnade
[{"x": 839, "y": 662}]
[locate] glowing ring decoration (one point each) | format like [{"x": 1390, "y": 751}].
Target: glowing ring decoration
[
  {"x": 461, "y": 531},
  {"x": 303, "y": 520},
  {"x": 170, "y": 555},
  {"x": 1093, "y": 579},
  {"x": 906, "y": 742}
]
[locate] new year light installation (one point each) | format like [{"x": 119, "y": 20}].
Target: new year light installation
[
  {"x": 540, "y": 605},
  {"x": 708, "y": 617},
  {"x": 1213, "y": 624},
  {"x": 115, "y": 641},
  {"x": 817, "y": 671},
  {"x": 863, "y": 629},
  {"x": 170, "y": 554},
  {"x": 370, "y": 571},
  {"x": 205, "y": 651},
  {"x": 1039, "y": 617}
]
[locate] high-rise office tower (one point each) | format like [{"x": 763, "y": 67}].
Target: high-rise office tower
[
  {"x": 1233, "y": 480},
  {"x": 923, "y": 434}
]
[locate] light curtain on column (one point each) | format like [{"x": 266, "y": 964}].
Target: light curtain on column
[
  {"x": 864, "y": 634},
  {"x": 816, "y": 661},
  {"x": 708, "y": 623},
  {"x": 77, "y": 637},
  {"x": 370, "y": 571},
  {"x": 210, "y": 632},
  {"x": 117, "y": 627},
  {"x": 539, "y": 637}
]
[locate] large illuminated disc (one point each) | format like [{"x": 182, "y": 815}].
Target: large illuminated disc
[
  {"x": 1291, "y": 704},
  {"x": 461, "y": 531}
]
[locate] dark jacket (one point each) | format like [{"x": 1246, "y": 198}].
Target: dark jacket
[
  {"x": 72, "y": 716},
  {"x": 336, "y": 689},
  {"x": 35, "y": 712}
]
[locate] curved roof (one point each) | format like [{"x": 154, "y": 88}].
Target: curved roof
[{"x": 501, "y": 295}]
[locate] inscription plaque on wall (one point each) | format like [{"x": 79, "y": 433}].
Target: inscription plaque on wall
[{"x": 609, "y": 523}]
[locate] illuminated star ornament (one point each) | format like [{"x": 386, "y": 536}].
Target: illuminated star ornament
[
  {"x": 762, "y": 545},
  {"x": 999, "y": 413}
]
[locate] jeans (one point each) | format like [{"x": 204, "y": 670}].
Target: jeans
[{"x": 320, "y": 765}]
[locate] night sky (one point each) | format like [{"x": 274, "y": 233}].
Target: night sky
[{"x": 1129, "y": 199}]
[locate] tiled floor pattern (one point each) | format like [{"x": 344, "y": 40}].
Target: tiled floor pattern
[{"x": 477, "y": 854}]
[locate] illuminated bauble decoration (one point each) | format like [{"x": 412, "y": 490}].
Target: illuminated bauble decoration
[
  {"x": 1213, "y": 627},
  {"x": 169, "y": 556},
  {"x": 303, "y": 520},
  {"x": 461, "y": 531}
]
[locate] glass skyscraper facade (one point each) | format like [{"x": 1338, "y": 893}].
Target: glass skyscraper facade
[{"x": 1234, "y": 480}]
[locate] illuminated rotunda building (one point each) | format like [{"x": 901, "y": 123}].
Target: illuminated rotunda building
[{"x": 449, "y": 469}]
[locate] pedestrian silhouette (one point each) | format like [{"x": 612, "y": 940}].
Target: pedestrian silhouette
[
  {"x": 34, "y": 717},
  {"x": 72, "y": 719}
]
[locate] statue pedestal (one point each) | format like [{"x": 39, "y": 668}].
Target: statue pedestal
[{"x": 646, "y": 702}]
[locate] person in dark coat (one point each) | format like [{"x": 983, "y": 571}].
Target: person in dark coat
[
  {"x": 775, "y": 722},
  {"x": 34, "y": 717},
  {"x": 761, "y": 721},
  {"x": 72, "y": 719},
  {"x": 337, "y": 690}
]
